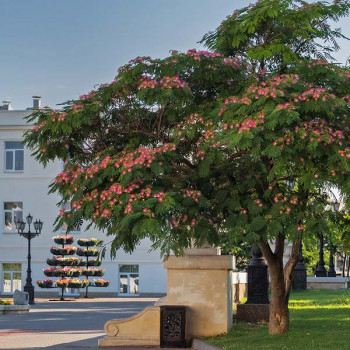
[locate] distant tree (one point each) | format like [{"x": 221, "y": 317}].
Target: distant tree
[
  {"x": 201, "y": 145},
  {"x": 339, "y": 236}
]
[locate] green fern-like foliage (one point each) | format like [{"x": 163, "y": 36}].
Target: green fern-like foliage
[{"x": 203, "y": 145}]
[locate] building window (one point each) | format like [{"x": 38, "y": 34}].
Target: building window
[
  {"x": 77, "y": 229},
  {"x": 14, "y": 156},
  {"x": 13, "y": 212},
  {"x": 11, "y": 278},
  {"x": 128, "y": 279}
]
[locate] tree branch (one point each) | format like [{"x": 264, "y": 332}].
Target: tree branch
[
  {"x": 136, "y": 131},
  {"x": 160, "y": 119},
  {"x": 267, "y": 252},
  {"x": 237, "y": 155}
]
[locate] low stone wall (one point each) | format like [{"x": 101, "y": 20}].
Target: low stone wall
[
  {"x": 327, "y": 282},
  {"x": 10, "y": 309},
  {"x": 142, "y": 329}
]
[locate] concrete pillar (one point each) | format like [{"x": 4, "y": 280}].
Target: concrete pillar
[{"x": 204, "y": 284}]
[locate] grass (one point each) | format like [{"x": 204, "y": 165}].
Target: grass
[{"x": 320, "y": 319}]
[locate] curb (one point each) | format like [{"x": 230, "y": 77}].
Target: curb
[{"x": 9, "y": 309}]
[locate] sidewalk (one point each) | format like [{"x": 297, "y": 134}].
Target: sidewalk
[{"x": 65, "y": 325}]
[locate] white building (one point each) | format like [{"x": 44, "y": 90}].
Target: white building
[{"x": 23, "y": 190}]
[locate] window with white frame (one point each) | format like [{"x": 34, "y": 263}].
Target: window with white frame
[
  {"x": 66, "y": 207},
  {"x": 128, "y": 280},
  {"x": 13, "y": 211},
  {"x": 11, "y": 277},
  {"x": 14, "y": 156}
]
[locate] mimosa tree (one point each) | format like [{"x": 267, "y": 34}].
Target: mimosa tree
[{"x": 201, "y": 145}]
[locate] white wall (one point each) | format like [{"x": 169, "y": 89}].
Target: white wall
[{"x": 31, "y": 188}]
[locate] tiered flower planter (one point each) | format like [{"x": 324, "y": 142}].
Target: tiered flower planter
[
  {"x": 89, "y": 253},
  {"x": 69, "y": 268}
]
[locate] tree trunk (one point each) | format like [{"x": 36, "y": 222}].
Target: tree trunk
[
  {"x": 344, "y": 262},
  {"x": 348, "y": 266},
  {"x": 279, "y": 313},
  {"x": 281, "y": 280}
]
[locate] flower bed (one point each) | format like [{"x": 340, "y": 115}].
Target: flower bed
[
  {"x": 6, "y": 302},
  {"x": 88, "y": 242},
  {"x": 94, "y": 262},
  {"x": 63, "y": 239},
  {"x": 93, "y": 272},
  {"x": 45, "y": 283},
  {"x": 101, "y": 283},
  {"x": 87, "y": 252},
  {"x": 63, "y": 251}
]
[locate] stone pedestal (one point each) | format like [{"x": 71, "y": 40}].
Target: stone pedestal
[
  {"x": 299, "y": 282},
  {"x": 257, "y": 306},
  {"x": 204, "y": 284},
  {"x": 320, "y": 269}
]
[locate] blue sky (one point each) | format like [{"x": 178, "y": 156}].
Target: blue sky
[{"x": 61, "y": 49}]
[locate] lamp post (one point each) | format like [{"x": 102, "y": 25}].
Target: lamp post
[
  {"x": 20, "y": 226},
  {"x": 320, "y": 269},
  {"x": 300, "y": 279},
  {"x": 331, "y": 270}
]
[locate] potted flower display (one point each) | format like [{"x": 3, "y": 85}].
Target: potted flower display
[
  {"x": 63, "y": 272},
  {"x": 75, "y": 272},
  {"x": 69, "y": 250},
  {"x": 63, "y": 239},
  {"x": 94, "y": 262},
  {"x": 87, "y": 252},
  {"x": 6, "y": 302},
  {"x": 45, "y": 283},
  {"x": 52, "y": 261},
  {"x": 63, "y": 283},
  {"x": 52, "y": 272},
  {"x": 88, "y": 242},
  {"x": 93, "y": 272},
  {"x": 66, "y": 267},
  {"x": 101, "y": 283},
  {"x": 70, "y": 261},
  {"x": 75, "y": 283}
]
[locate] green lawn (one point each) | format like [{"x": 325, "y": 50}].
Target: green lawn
[{"x": 319, "y": 320}]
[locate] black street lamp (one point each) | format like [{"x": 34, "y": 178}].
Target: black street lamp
[
  {"x": 20, "y": 226},
  {"x": 320, "y": 269},
  {"x": 331, "y": 270}
]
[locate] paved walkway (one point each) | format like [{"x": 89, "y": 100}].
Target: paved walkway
[{"x": 67, "y": 325}]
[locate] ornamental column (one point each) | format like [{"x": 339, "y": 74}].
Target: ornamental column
[{"x": 257, "y": 306}]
